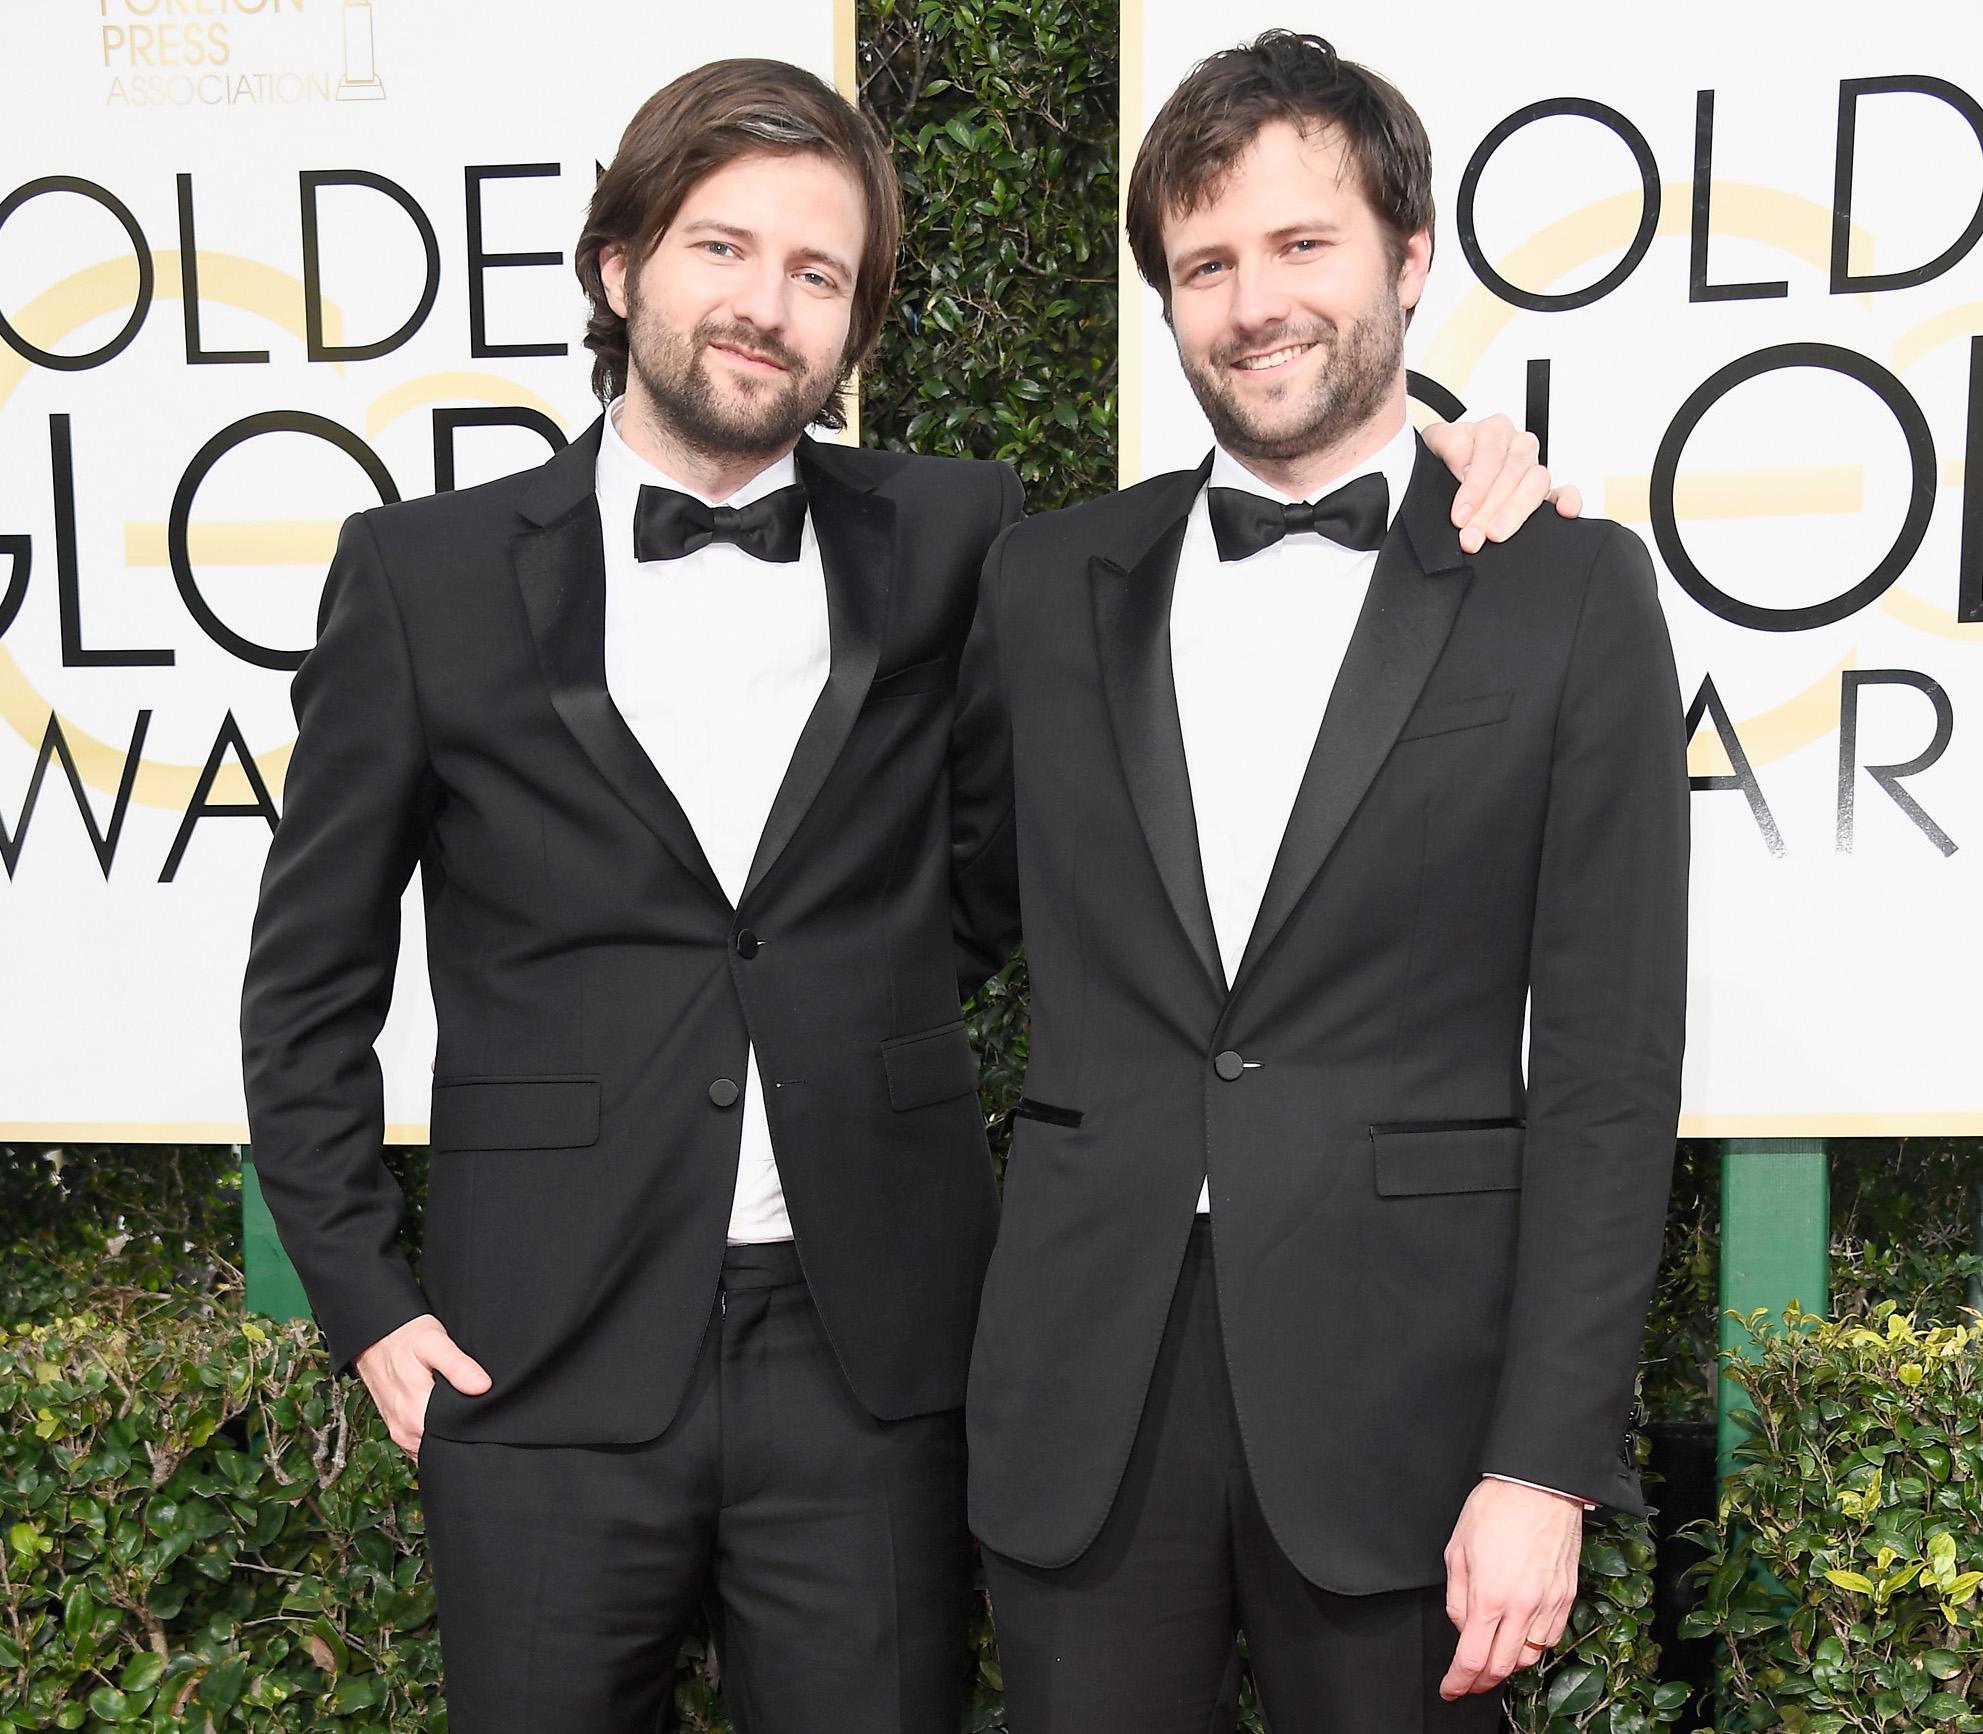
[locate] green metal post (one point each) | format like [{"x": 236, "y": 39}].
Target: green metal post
[
  {"x": 274, "y": 1289},
  {"x": 1775, "y": 1245}
]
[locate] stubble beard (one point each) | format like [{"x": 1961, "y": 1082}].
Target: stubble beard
[
  {"x": 673, "y": 369},
  {"x": 1354, "y": 384}
]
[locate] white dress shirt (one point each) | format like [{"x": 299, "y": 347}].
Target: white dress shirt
[
  {"x": 1256, "y": 645},
  {"x": 716, "y": 660}
]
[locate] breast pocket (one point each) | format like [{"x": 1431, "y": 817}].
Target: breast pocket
[
  {"x": 911, "y": 682},
  {"x": 1449, "y": 716}
]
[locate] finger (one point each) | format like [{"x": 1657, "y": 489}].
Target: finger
[
  {"x": 1470, "y": 1656},
  {"x": 1568, "y": 500},
  {"x": 460, "y": 1369},
  {"x": 1519, "y": 498},
  {"x": 1484, "y": 460},
  {"x": 1456, "y": 1587},
  {"x": 1514, "y": 477},
  {"x": 1508, "y": 1652},
  {"x": 1451, "y": 445}
]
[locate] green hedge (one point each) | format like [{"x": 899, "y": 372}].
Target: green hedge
[
  {"x": 199, "y": 1521},
  {"x": 1845, "y": 1568},
  {"x": 203, "y": 1530}
]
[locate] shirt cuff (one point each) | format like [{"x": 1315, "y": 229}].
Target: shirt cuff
[{"x": 1516, "y": 1481}]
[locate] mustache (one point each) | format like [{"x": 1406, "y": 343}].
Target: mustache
[
  {"x": 1260, "y": 342},
  {"x": 755, "y": 342}
]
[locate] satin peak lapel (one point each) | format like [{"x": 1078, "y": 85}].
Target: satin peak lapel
[
  {"x": 855, "y": 528},
  {"x": 1133, "y": 635},
  {"x": 1415, "y": 594},
  {"x": 561, "y": 571}
]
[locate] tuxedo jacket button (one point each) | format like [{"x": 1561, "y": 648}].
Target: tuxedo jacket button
[
  {"x": 747, "y": 943},
  {"x": 724, "y": 1092},
  {"x": 1229, "y": 1065}
]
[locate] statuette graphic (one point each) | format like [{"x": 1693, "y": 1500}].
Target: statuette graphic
[{"x": 360, "y": 82}]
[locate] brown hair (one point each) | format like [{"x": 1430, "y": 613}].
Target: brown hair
[
  {"x": 703, "y": 121},
  {"x": 1208, "y": 122}
]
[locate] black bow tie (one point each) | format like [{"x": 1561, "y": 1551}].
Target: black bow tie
[
  {"x": 667, "y": 525},
  {"x": 1355, "y": 515}
]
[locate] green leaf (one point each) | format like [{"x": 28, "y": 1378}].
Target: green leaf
[
  {"x": 1606, "y": 1559},
  {"x": 1576, "y": 1687},
  {"x": 224, "y": 1683},
  {"x": 78, "y": 1610},
  {"x": 1943, "y": 1707},
  {"x": 1852, "y": 1580},
  {"x": 142, "y": 1673},
  {"x": 108, "y": 1704},
  {"x": 356, "y": 1692}
]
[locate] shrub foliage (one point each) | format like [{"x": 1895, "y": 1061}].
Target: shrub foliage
[{"x": 1844, "y": 1572}]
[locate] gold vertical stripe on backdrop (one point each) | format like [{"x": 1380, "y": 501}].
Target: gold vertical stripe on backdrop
[
  {"x": 847, "y": 80},
  {"x": 1129, "y": 287}
]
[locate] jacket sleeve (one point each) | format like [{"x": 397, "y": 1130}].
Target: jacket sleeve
[
  {"x": 984, "y": 876},
  {"x": 1608, "y": 985},
  {"x": 356, "y": 806}
]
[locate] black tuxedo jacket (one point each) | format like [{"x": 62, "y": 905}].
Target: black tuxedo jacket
[
  {"x": 1426, "y": 1271},
  {"x": 595, "y": 990}
]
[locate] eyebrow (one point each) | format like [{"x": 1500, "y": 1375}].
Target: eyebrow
[
  {"x": 1286, "y": 232},
  {"x": 732, "y": 232},
  {"x": 1310, "y": 226}
]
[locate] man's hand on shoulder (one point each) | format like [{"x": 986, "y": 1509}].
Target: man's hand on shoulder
[
  {"x": 1501, "y": 480},
  {"x": 399, "y": 1371},
  {"x": 1511, "y": 1575}
]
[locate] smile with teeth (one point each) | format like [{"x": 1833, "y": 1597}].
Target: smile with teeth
[{"x": 1273, "y": 358}]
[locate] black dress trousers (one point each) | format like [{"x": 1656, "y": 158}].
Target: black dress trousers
[
  {"x": 830, "y": 1549},
  {"x": 1137, "y": 1635}
]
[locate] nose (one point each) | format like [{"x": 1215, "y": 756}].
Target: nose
[
  {"x": 759, "y": 300},
  {"x": 1259, "y": 302}
]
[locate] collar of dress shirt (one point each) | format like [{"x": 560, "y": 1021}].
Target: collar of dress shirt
[
  {"x": 623, "y": 470},
  {"x": 1393, "y": 461}
]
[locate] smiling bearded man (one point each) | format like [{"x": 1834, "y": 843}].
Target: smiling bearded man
[{"x": 1311, "y": 1319}]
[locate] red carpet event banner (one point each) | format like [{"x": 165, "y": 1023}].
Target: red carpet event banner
[
  {"x": 1737, "y": 291},
  {"x": 263, "y": 263}
]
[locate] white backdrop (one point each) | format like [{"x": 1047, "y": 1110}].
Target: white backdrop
[
  {"x": 1813, "y": 434},
  {"x": 204, "y": 130}
]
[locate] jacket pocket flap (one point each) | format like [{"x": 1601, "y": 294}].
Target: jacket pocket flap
[
  {"x": 515, "y": 1113},
  {"x": 1461, "y": 1158},
  {"x": 931, "y": 1067},
  {"x": 1459, "y": 713}
]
